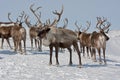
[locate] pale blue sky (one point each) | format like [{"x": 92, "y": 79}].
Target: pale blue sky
[{"x": 74, "y": 10}]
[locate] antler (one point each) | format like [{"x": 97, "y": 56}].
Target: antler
[
  {"x": 78, "y": 27},
  {"x": 100, "y": 22},
  {"x": 27, "y": 22},
  {"x": 88, "y": 26},
  {"x": 9, "y": 17},
  {"x": 58, "y": 13},
  {"x": 65, "y": 23},
  {"x": 59, "y": 16},
  {"x": 21, "y": 17},
  {"x": 36, "y": 15},
  {"x": 48, "y": 22},
  {"x": 106, "y": 26}
]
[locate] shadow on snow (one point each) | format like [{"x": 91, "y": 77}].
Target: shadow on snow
[{"x": 8, "y": 52}]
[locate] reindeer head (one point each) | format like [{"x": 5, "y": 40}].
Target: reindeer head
[
  {"x": 103, "y": 26},
  {"x": 83, "y": 30},
  {"x": 43, "y": 32},
  {"x": 78, "y": 32},
  {"x": 19, "y": 21},
  {"x": 46, "y": 28}
]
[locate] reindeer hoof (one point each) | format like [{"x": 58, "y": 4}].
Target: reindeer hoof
[
  {"x": 57, "y": 64},
  {"x": 100, "y": 62},
  {"x": 105, "y": 63},
  {"x": 79, "y": 66},
  {"x": 50, "y": 64},
  {"x": 94, "y": 60},
  {"x": 70, "y": 63},
  {"x": 40, "y": 50}
]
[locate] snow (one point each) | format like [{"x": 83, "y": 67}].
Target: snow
[{"x": 34, "y": 65}]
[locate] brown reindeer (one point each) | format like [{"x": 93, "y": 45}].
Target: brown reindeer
[
  {"x": 18, "y": 34},
  {"x": 5, "y": 30},
  {"x": 33, "y": 29},
  {"x": 5, "y": 34},
  {"x": 59, "y": 38},
  {"x": 98, "y": 39},
  {"x": 33, "y": 34},
  {"x": 84, "y": 39}
]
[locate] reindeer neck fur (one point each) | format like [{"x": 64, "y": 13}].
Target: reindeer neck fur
[
  {"x": 49, "y": 37},
  {"x": 106, "y": 36}
]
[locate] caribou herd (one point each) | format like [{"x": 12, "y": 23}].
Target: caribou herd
[{"x": 53, "y": 36}]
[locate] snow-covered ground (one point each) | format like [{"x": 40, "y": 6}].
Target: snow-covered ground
[{"x": 34, "y": 65}]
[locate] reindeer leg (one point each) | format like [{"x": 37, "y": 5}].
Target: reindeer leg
[
  {"x": 79, "y": 54},
  {"x": 35, "y": 43},
  {"x": 83, "y": 51},
  {"x": 88, "y": 52},
  {"x": 51, "y": 50},
  {"x": 14, "y": 44},
  {"x": 91, "y": 52},
  {"x": 80, "y": 47},
  {"x": 40, "y": 47},
  {"x": 20, "y": 47},
  {"x": 9, "y": 43},
  {"x": 94, "y": 54},
  {"x": 2, "y": 43},
  {"x": 104, "y": 56},
  {"x": 56, "y": 55},
  {"x": 31, "y": 44},
  {"x": 70, "y": 50},
  {"x": 99, "y": 52},
  {"x": 24, "y": 41}
]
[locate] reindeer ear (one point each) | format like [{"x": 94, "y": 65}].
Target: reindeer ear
[{"x": 48, "y": 29}]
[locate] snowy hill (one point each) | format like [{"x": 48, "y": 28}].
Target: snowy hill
[
  {"x": 114, "y": 33},
  {"x": 34, "y": 65},
  {"x": 113, "y": 45}
]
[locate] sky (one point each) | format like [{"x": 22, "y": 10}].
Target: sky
[{"x": 75, "y": 10}]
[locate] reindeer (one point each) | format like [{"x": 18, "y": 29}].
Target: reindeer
[
  {"x": 98, "y": 39},
  {"x": 59, "y": 38},
  {"x": 33, "y": 34},
  {"x": 5, "y": 30},
  {"x": 84, "y": 39},
  {"x": 18, "y": 34},
  {"x": 33, "y": 29},
  {"x": 5, "y": 34}
]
